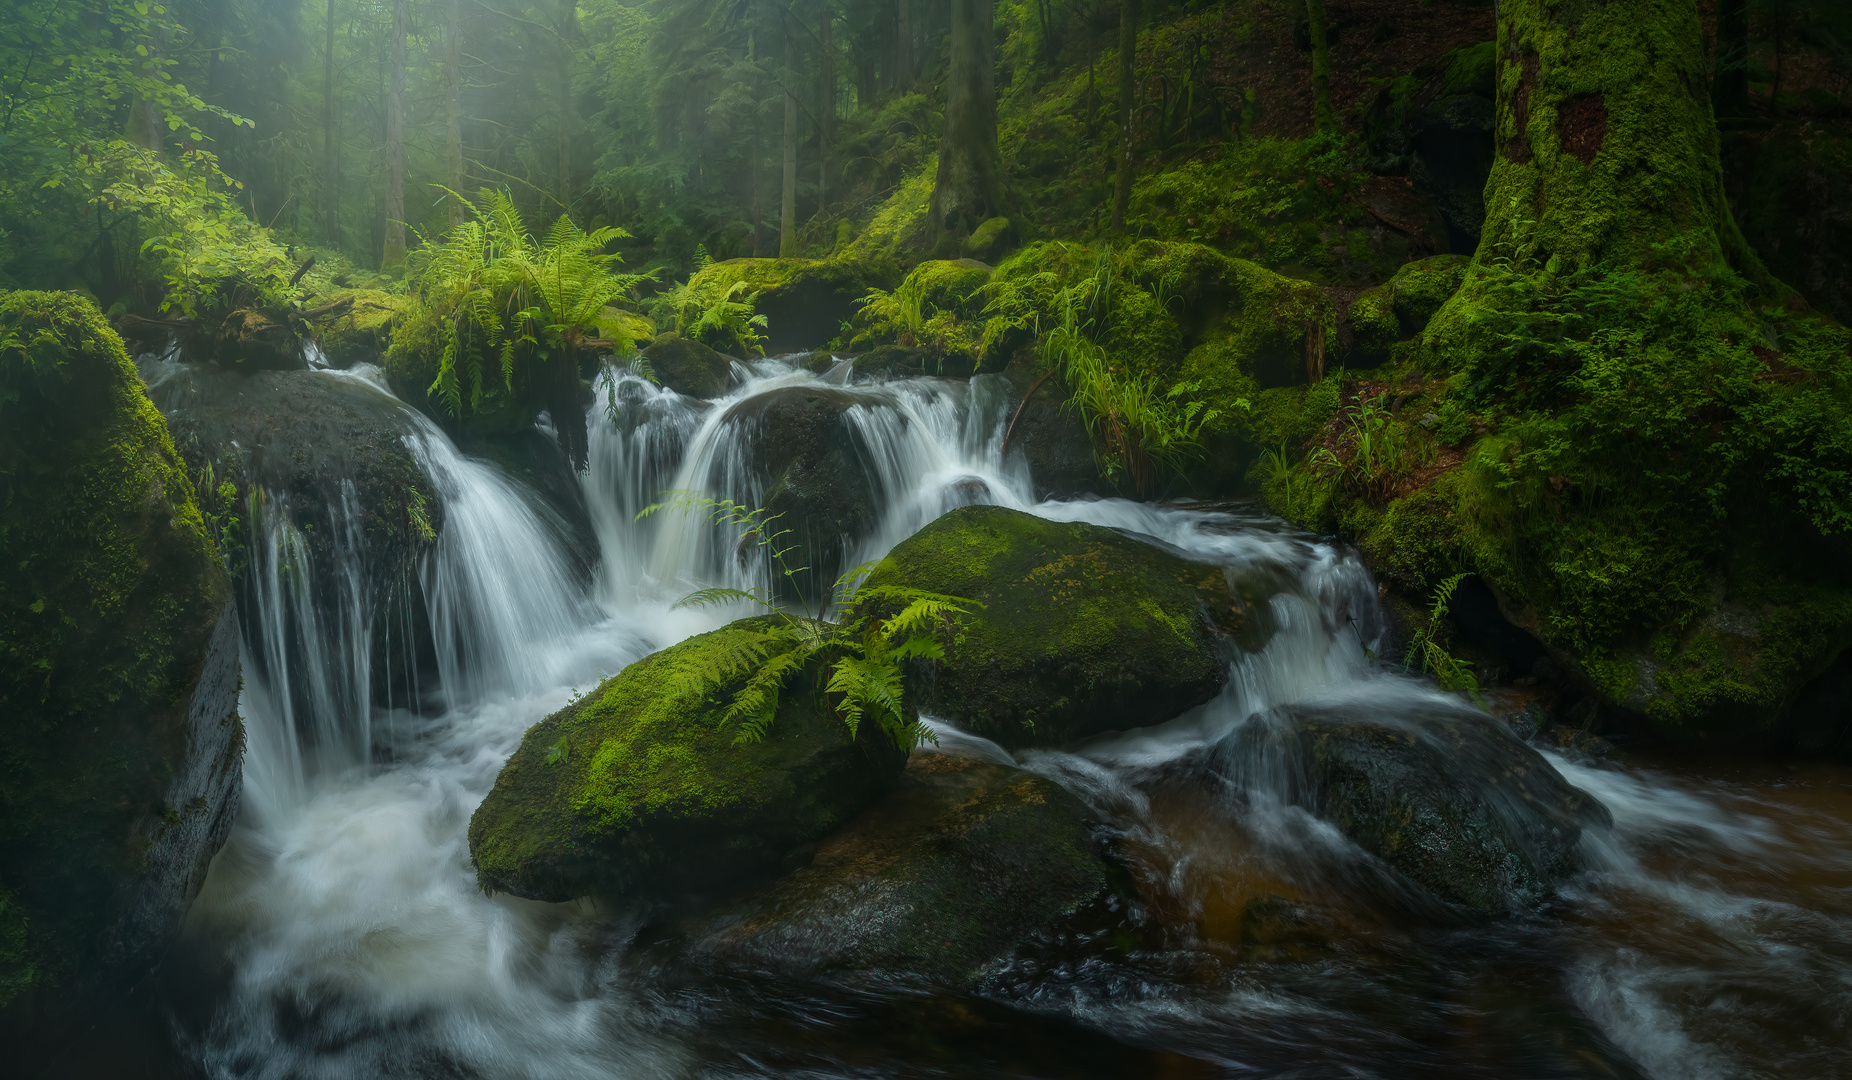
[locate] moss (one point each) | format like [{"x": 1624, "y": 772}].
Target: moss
[
  {"x": 1084, "y": 628},
  {"x": 988, "y": 240},
  {"x": 804, "y": 301},
  {"x": 112, "y": 589},
  {"x": 1373, "y": 323},
  {"x": 654, "y": 796},
  {"x": 365, "y": 333},
  {"x": 1416, "y": 542},
  {"x": 1420, "y": 288},
  {"x": 899, "y": 226}
]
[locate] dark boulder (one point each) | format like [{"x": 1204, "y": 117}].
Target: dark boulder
[
  {"x": 946, "y": 874},
  {"x": 1443, "y": 794},
  {"x": 1084, "y": 629},
  {"x": 1051, "y": 437},
  {"x": 688, "y": 367},
  {"x": 120, "y": 751},
  {"x": 638, "y": 789}
]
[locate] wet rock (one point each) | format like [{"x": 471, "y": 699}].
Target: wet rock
[
  {"x": 944, "y": 875},
  {"x": 120, "y": 751},
  {"x": 1452, "y": 144},
  {"x": 1084, "y": 629},
  {"x": 900, "y": 362},
  {"x": 801, "y": 445},
  {"x": 804, "y": 301},
  {"x": 1444, "y": 795},
  {"x": 688, "y": 367},
  {"x": 1052, "y": 438},
  {"x": 639, "y": 790}
]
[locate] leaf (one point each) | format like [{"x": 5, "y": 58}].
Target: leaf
[
  {"x": 717, "y": 596},
  {"x": 558, "y": 752}
]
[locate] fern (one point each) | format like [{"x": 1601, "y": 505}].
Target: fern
[
  {"x": 864, "y": 650},
  {"x": 1429, "y": 656}
]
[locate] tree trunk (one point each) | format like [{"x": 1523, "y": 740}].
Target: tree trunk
[
  {"x": 453, "y": 108},
  {"x": 787, "y": 203},
  {"x": 968, "y": 188},
  {"x": 1605, "y": 154},
  {"x": 1128, "y": 88},
  {"x": 903, "y": 44},
  {"x": 146, "y": 127},
  {"x": 1730, "y": 93},
  {"x": 331, "y": 188},
  {"x": 826, "y": 107},
  {"x": 568, "y": 26},
  {"x": 394, "y": 247},
  {"x": 1321, "y": 66}
]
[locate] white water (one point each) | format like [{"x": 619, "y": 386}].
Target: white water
[{"x": 359, "y": 946}]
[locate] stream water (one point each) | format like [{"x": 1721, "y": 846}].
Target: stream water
[{"x": 341, "y": 933}]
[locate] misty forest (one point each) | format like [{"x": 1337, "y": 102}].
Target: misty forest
[{"x": 1301, "y": 539}]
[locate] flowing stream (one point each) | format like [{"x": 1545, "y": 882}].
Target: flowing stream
[{"x": 341, "y": 933}]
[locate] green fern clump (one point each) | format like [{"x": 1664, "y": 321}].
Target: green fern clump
[
  {"x": 863, "y": 653},
  {"x": 515, "y": 316},
  {"x": 717, "y": 315},
  {"x": 1427, "y": 654}
]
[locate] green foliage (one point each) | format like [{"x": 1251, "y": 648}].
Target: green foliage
[
  {"x": 864, "y": 652},
  {"x": 717, "y": 314},
  {"x": 1427, "y": 654}
]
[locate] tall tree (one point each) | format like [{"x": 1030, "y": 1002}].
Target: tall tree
[
  {"x": 568, "y": 29},
  {"x": 394, "y": 250},
  {"x": 903, "y": 43},
  {"x": 787, "y": 203},
  {"x": 453, "y": 108},
  {"x": 969, "y": 186},
  {"x": 331, "y": 189},
  {"x": 826, "y": 101},
  {"x": 1325, "y": 119},
  {"x": 1128, "y": 89}
]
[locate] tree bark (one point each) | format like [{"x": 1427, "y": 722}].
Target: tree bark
[
  {"x": 903, "y": 44},
  {"x": 1321, "y": 66},
  {"x": 453, "y": 107},
  {"x": 826, "y": 106},
  {"x": 568, "y": 26},
  {"x": 393, "y": 253},
  {"x": 331, "y": 188},
  {"x": 1730, "y": 93},
  {"x": 968, "y": 188},
  {"x": 1605, "y": 155},
  {"x": 1128, "y": 88},
  {"x": 787, "y": 202}
]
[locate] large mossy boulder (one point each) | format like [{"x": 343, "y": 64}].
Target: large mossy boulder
[
  {"x": 364, "y": 332},
  {"x": 804, "y": 301},
  {"x": 638, "y": 790},
  {"x": 121, "y": 743},
  {"x": 1084, "y": 629},
  {"x": 688, "y": 367},
  {"x": 937, "y": 880},
  {"x": 1444, "y": 794}
]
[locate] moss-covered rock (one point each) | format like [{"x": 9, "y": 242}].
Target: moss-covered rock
[
  {"x": 365, "y": 332},
  {"x": 1051, "y": 436},
  {"x": 119, "y": 754},
  {"x": 1422, "y": 286},
  {"x": 1446, "y": 796},
  {"x": 804, "y": 301},
  {"x": 1373, "y": 324},
  {"x": 1273, "y": 331},
  {"x": 938, "y": 879},
  {"x": 636, "y": 789},
  {"x": 989, "y": 240},
  {"x": 1085, "y": 629},
  {"x": 688, "y": 367}
]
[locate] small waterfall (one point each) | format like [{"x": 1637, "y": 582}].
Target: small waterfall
[{"x": 326, "y": 649}]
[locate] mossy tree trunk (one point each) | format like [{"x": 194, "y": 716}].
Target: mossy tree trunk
[
  {"x": 331, "y": 190},
  {"x": 1606, "y": 146},
  {"x": 969, "y": 186},
  {"x": 1128, "y": 88},
  {"x": 1323, "y": 116}
]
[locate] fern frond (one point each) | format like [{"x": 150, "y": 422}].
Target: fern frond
[
  {"x": 756, "y": 704},
  {"x": 716, "y": 596},
  {"x": 867, "y": 686}
]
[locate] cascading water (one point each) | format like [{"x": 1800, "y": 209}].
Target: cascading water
[{"x": 352, "y": 942}]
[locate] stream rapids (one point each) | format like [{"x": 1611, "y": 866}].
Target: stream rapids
[{"x": 341, "y": 933}]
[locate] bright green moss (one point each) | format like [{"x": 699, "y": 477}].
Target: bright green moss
[
  {"x": 1422, "y": 287},
  {"x": 112, "y": 590},
  {"x": 366, "y": 331},
  {"x": 1373, "y": 323},
  {"x": 646, "y": 792}
]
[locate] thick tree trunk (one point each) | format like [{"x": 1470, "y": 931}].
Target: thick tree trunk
[
  {"x": 1321, "y": 66},
  {"x": 1606, "y": 149},
  {"x": 393, "y": 252},
  {"x": 787, "y": 202},
  {"x": 331, "y": 188},
  {"x": 826, "y": 106},
  {"x": 453, "y": 107},
  {"x": 1128, "y": 89},
  {"x": 968, "y": 188}
]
